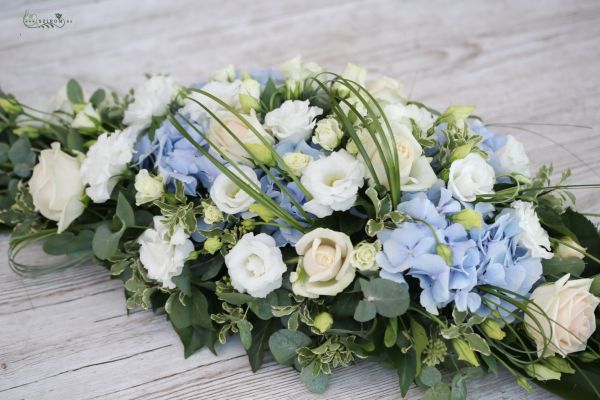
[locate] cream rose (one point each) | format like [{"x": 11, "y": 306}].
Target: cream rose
[
  {"x": 56, "y": 186},
  {"x": 325, "y": 268},
  {"x": 569, "y": 319},
  {"x": 353, "y": 73},
  {"x": 328, "y": 134},
  {"x": 386, "y": 91},
  {"x": 470, "y": 177},
  {"x": 297, "y": 161},
  {"x": 228, "y": 197},
  {"x": 363, "y": 256},
  {"x": 148, "y": 188}
]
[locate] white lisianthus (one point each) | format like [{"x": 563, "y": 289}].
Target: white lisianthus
[
  {"x": 225, "y": 74},
  {"x": 255, "y": 265},
  {"x": 532, "y": 236},
  {"x": 164, "y": 256},
  {"x": 228, "y": 197},
  {"x": 86, "y": 118},
  {"x": 328, "y": 134},
  {"x": 569, "y": 248},
  {"x": 227, "y": 92},
  {"x": 325, "y": 268},
  {"x": 105, "y": 161},
  {"x": 352, "y": 73},
  {"x": 513, "y": 158},
  {"x": 292, "y": 121},
  {"x": 333, "y": 181},
  {"x": 219, "y": 134},
  {"x": 386, "y": 91},
  {"x": 148, "y": 188},
  {"x": 565, "y": 311},
  {"x": 470, "y": 177},
  {"x": 363, "y": 256},
  {"x": 295, "y": 72},
  {"x": 297, "y": 161},
  {"x": 405, "y": 114},
  {"x": 56, "y": 187},
  {"x": 152, "y": 99}
]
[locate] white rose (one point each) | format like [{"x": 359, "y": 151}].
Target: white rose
[
  {"x": 164, "y": 256},
  {"x": 292, "y": 121},
  {"x": 295, "y": 72},
  {"x": 219, "y": 134},
  {"x": 227, "y": 92},
  {"x": 333, "y": 181},
  {"x": 363, "y": 256},
  {"x": 148, "y": 188},
  {"x": 56, "y": 187},
  {"x": 566, "y": 317},
  {"x": 297, "y": 161},
  {"x": 405, "y": 114},
  {"x": 532, "y": 236},
  {"x": 86, "y": 118},
  {"x": 212, "y": 214},
  {"x": 470, "y": 177},
  {"x": 569, "y": 249},
  {"x": 325, "y": 268},
  {"x": 352, "y": 73},
  {"x": 386, "y": 91},
  {"x": 513, "y": 158},
  {"x": 225, "y": 74},
  {"x": 328, "y": 134},
  {"x": 255, "y": 265},
  {"x": 152, "y": 99},
  {"x": 105, "y": 161},
  {"x": 228, "y": 197}
]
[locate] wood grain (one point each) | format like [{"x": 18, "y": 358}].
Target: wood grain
[{"x": 67, "y": 335}]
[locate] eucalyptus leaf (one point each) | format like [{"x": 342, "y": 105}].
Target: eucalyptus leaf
[
  {"x": 245, "y": 329},
  {"x": 430, "y": 376},
  {"x": 106, "y": 242},
  {"x": 314, "y": 382},
  {"x": 284, "y": 343},
  {"x": 74, "y": 92},
  {"x": 365, "y": 311},
  {"x": 390, "y": 298}
]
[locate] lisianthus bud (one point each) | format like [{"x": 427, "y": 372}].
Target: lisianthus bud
[
  {"x": 492, "y": 329},
  {"x": 465, "y": 352},
  {"x": 569, "y": 248},
  {"x": 10, "y": 106},
  {"x": 297, "y": 161},
  {"x": 213, "y": 244},
  {"x": 541, "y": 372},
  {"x": 328, "y": 134},
  {"x": 461, "y": 152},
  {"x": 260, "y": 153},
  {"x": 212, "y": 214},
  {"x": 352, "y": 148},
  {"x": 444, "y": 251},
  {"x": 323, "y": 322},
  {"x": 468, "y": 218},
  {"x": 263, "y": 212},
  {"x": 249, "y": 94},
  {"x": 30, "y": 131},
  {"x": 558, "y": 364}
]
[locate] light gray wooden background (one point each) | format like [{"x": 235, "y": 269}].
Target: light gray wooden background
[{"x": 67, "y": 336}]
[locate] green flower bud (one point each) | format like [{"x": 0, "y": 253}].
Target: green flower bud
[
  {"x": 492, "y": 329},
  {"x": 465, "y": 352},
  {"x": 569, "y": 248},
  {"x": 558, "y": 364},
  {"x": 468, "y": 218},
  {"x": 541, "y": 372},
  {"x": 213, "y": 244},
  {"x": 31, "y": 132},
  {"x": 323, "y": 322},
  {"x": 260, "y": 153},
  {"x": 444, "y": 251},
  {"x": 10, "y": 106},
  {"x": 248, "y": 224},
  {"x": 263, "y": 212},
  {"x": 461, "y": 152}
]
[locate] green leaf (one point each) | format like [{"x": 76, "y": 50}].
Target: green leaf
[
  {"x": 245, "y": 328},
  {"x": 440, "y": 391},
  {"x": 20, "y": 152},
  {"x": 193, "y": 313},
  {"x": 430, "y": 376},
  {"x": 74, "y": 92},
  {"x": 97, "y": 97},
  {"x": 391, "y": 333},
  {"x": 315, "y": 383},
  {"x": 345, "y": 304},
  {"x": 75, "y": 141},
  {"x": 106, "y": 242},
  {"x": 4, "y": 147},
  {"x": 390, "y": 298},
  {"x": 595, "y": 288},
  {"x": 56, "y": 245},
  {"x": 284, "y": 343},
  {"x": 124, "y": 211},
  {"x": 406, "y": 367},
  {"x": 193, "y": 339},
  {"x": 477, "y": 343},
  {"x": 235, "y": 298},
  {"x": 365, "y": 311},
  {"x": 262, "y": 331},
  {"x": 459, "y": 387},
  {"x": 81, "y": 244},
  {"x": 559, "y": 266},
  {"x": 182, "y": 281},
  {"x": 420, "y": 340},
  {"x": 586, "y": 234}
]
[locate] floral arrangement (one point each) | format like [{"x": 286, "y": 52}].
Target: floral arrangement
[{"x": 325, "y": 218}]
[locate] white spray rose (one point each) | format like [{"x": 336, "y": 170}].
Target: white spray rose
[
  {"x": 164, "y": 256},
  {"x": 249, "y": 95},
  {"x": 86, "y": 118},
  {"x": 470, "y": 177},
  {"x": 292, "y": 121},
  {"x": 333, "y": 182},
  {"x": 352, "y": 73},
  {"x": 225, "y": 74},
  {"x": 566, "y": 317},
  {"x": 569, "y": 249},
  {"x": 105, "y": 161},
  {"x": 325, "y": 268},
  {"x": 56, "y": 187},
  {"x": 220, "y": 136},
  {"x": 297, "y": 161},
  {"x": 363, "y": 256},
  {"x": 148, "y": 188},
  {"x": 152, "y": 99},
  {"x": 296, "y": 72},
  {"x": 513, "y": 158},
  {"x": 328, "y": 134},
  {"x": 532, "y": 236},
  {"x": 255, "y": 265},
  {"x": 228, "y": 197},
  {"x": 386, "y": 91}
]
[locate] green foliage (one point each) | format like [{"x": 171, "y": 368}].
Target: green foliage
[
  {"x": 285, "y": 343},
  {"x": 74, "y": 92},
  {"x": 263, "y": 329},
  {"x": 106, "y": 240},
  {"x": 389, "y": 299}
]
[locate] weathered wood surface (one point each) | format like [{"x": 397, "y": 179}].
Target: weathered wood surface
[{"x": 67, "y": 335}]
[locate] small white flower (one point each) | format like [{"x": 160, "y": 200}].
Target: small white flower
[
  {"x": 255, "y": 265},
  {"x": 227, "y": 92},
  {"x": 225, "y": 74},
  {"x": 164, "y": 256},
  {"x": 470, "y": 177},
  {"x": 570, "y": 249},
  {"x": 148, "y": 188},
  {"x": 105, "y": 161},
  {"x": 295, "y": 72},
  {"x": 228, "y": 197},
  {"x": 292, "y": 121},
  {"x": 352, "y": 73},
  {"x": 56, "y": 187},
  {"x": 363, "y": 256},
  {"x": 212, "y": 214},
  {"x": 533, "y": 237},
  {"x": 386, "y": 91},
  {"x": 513, "y": 158},
  {"x": 86, "y": 118},
  {"x": 405, "y": 114},
  {"x": 328, "y": 134},
  {"x": 297, "y": 161},
  {"x": 152, "y": 99},
  {"x": 333, "y": 182}
]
